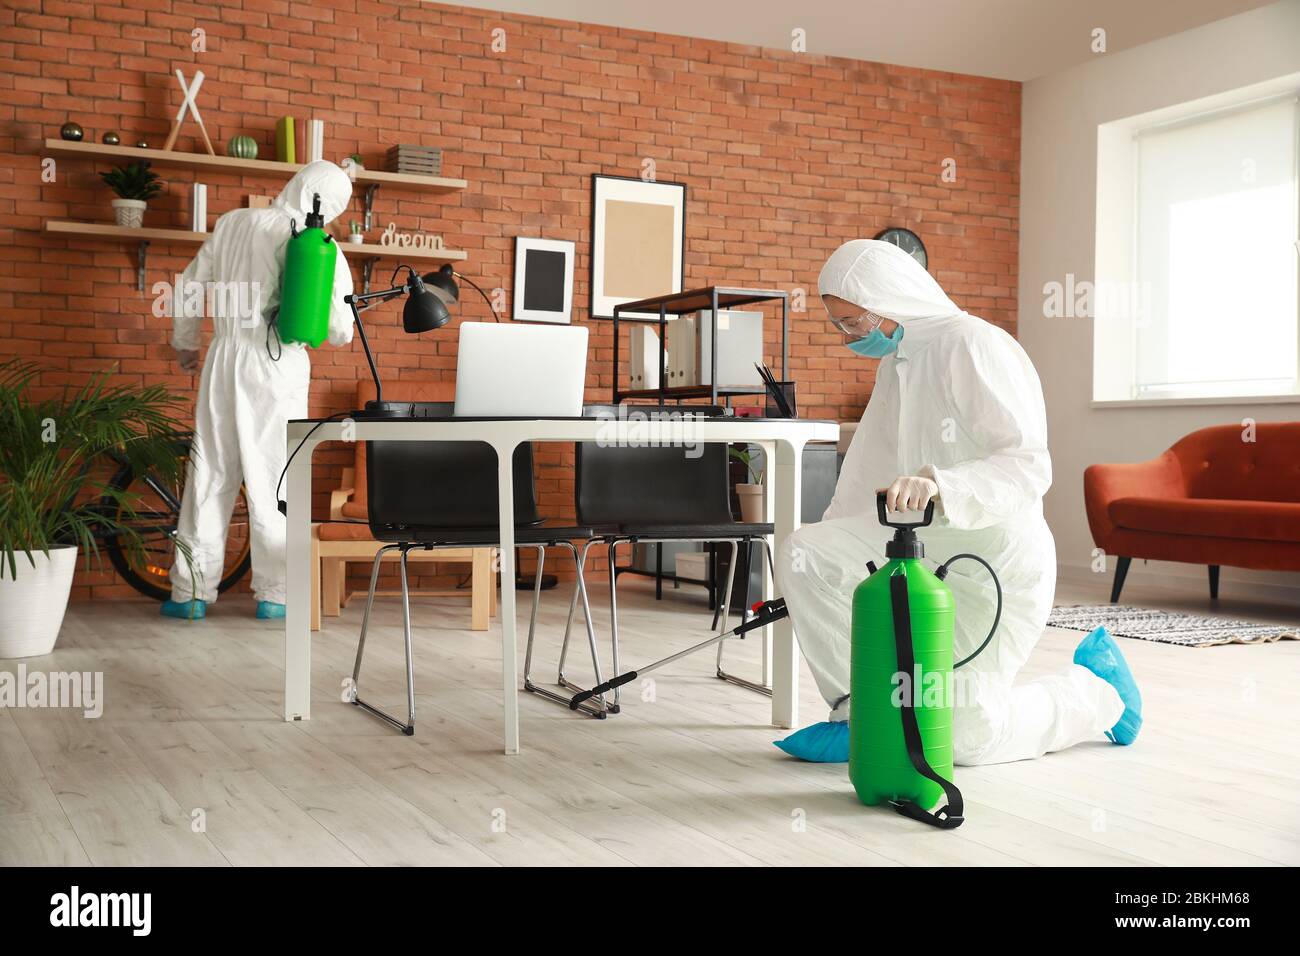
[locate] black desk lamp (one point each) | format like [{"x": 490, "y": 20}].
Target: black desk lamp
[
  {"x": 424, "y": 311},
  {"x": 443, "y": 283}
]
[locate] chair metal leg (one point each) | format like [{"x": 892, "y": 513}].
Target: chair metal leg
[
  {"x": 597, "y": 709},
  {"x": 407, "y": 728},
  {"x": 758, "y": 688},
  {"x": 581, "y": 559},
  {"x": 365, "y": 618},
  {"x": 613, "y": 620}
]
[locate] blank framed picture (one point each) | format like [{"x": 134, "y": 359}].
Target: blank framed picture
[
  {"x": 543, "y": 280},
  {"x": 638, "y": 232}
]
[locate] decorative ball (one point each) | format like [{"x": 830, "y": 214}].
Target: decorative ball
[
  {"x": 111, "y": 139},
  {"x": 142, "y": 144},
  {"x": 242, "y": 147},
  {"x": 72, "y": 132}
]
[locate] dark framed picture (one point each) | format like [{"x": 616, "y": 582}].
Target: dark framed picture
[
  {"x": 543, "y": 286},
  {"x": 638, "y": 238}
]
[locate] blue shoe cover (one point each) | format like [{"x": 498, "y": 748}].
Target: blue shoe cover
[
  {"x": 826, "y": 742},
  {"x": 185, "y": 610},
  {"x": 269, "y": 611},
  {"x": 1100, "y": 654}
]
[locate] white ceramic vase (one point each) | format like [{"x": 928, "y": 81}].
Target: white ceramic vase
[
  {"x": 751, "y": 503},
  {"x": 129, "y": 213},
  {"x": 32, "y": 607}
]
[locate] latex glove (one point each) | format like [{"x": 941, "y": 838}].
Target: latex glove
[
  {"x": 910, "y": 493},
  {"x": 188, "y": 360}
]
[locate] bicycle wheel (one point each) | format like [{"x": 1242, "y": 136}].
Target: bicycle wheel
[{"x": 157, "y": 507}]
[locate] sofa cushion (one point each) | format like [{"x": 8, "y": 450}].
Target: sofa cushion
[
  {"x": 1209, "y": 517},
  {"x": 340, "y": 531}
]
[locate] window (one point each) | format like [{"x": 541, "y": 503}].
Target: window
[{"x": 1214, "y": 250}]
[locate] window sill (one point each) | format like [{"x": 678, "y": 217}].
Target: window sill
[{"x": 1216, "y": 400}]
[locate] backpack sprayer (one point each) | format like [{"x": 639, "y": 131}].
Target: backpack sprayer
[
  {"x": 308, "y": 282},
  {"x": 900, "y": 741}
]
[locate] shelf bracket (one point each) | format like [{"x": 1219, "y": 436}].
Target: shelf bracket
[
  {"x": 368, "y": 204},
  {"x": 141, "y": 257},
  {"x": 367, "y": 268}
]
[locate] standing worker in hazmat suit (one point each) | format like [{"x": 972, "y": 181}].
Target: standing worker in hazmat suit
[
  {"x": 252, "y": 384},
  {"x": 957, "y": 417}
]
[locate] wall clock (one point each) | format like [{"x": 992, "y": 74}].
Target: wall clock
[{"x": 909, "y": 242}]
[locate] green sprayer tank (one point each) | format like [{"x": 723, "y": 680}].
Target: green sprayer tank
[
  {"x": 900, "y": 746},
  {"x": 308, "y": 282}
]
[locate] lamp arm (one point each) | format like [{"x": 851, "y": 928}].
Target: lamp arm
[
  {"x": 465, "y": 278},
  {"x": 351, "y": 300}
]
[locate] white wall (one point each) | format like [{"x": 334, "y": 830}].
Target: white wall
[{"x": 1061, "y": 113}]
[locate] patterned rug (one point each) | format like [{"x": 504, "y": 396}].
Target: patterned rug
[{"x": 1167, "y": 627}]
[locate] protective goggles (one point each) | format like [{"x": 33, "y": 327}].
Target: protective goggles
[{"x": 860, "y": 326}]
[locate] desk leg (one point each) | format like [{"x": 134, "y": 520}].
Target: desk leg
[
  {"x": 509, "y": 644},
  {"x": 297, "y": 612},
  {"x": 784, "y": 507}
]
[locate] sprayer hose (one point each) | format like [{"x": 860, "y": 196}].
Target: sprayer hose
[{"x": 942, "y": 573}]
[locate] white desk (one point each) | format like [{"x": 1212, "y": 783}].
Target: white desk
[{"x": 782, "y": 441}]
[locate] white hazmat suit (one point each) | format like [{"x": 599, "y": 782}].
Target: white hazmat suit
[
  {"x": 958, "y": 403},
  {"x": 245, "y": 396}
]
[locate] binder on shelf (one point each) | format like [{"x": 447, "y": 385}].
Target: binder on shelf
[
  {"x": 644, "y": 366},
  {"x": 198, "y": 207},
  {"x": 315, "y": 140},
  {"x": 285, "y": 146},
  {"x": 740, "y": 346}
]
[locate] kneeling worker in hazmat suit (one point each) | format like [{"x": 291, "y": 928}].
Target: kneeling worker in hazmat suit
[
  {"x": 956, "y": 416},
  {"x": 252, "y": 384}
]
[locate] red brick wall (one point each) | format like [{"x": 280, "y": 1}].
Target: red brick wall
[{"x": 784, "y": 155}]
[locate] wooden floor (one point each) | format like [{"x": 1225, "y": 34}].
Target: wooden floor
[{"x": 191, "y": 764}]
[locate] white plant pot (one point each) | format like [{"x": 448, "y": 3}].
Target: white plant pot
[
  {"x": 356, "y": 238},
  {"x": 751, "y": 503},
  {"x": 129, "y": 213},
  {"x": 31, "y": 607}
]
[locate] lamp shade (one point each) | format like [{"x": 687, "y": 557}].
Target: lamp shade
[
  {"x": 443, "y": 284},
  {"x": 424, "y": 311}
]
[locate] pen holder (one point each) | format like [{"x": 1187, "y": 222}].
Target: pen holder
[{"x": 787, "y": 389}]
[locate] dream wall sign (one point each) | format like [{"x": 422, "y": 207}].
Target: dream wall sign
[{"x": 543, "y": 280}]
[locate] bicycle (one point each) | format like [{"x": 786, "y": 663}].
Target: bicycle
[{"x": 157, "y": 506}]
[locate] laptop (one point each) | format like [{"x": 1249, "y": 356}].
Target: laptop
[{"x": 520, "y": 371}]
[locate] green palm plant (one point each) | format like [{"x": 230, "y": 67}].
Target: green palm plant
[
  {"x": 750, "y": 460},
  {"x": 53, "y": 491},
  {"x": 134, "y": 181}
]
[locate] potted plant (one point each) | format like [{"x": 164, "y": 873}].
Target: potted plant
[
  {"x": 355, "y": 235},
  {"x": 749, "y": 493},
  {"x": 55, "y": 495},
  {"x": 135, "y": 185}
]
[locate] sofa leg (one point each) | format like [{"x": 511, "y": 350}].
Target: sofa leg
[
  {"x": 1214, "y": 582},
  {"x": 1121, "y": 572}
]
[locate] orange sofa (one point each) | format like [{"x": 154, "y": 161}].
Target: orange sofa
[{"x": 1214, "y": 498}]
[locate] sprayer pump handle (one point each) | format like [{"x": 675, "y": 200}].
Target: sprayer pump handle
[{"x": 880, "y": 511}]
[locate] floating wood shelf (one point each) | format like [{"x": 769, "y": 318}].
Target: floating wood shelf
[
  {"x": 366, "y": 252},
  {"x": 145, "y": 234},
  {"x": 242, "y": 167}
]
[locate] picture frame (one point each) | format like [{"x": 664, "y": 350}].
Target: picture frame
[
  {"x": 638, "y": 240},
  {"x": 543, "y": 280}
]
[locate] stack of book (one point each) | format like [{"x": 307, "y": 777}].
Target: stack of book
[{"x": 420, "y": 160}]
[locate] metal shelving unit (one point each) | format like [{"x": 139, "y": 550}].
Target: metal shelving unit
[{"x": 711, "y": 298}]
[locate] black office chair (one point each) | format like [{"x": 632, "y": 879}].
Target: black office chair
[
  {"x": 426, "y": 495},
  {"x": 632, "y": 495}
]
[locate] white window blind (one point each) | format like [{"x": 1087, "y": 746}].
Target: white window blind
[{"x": 1216, "y": 250}]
